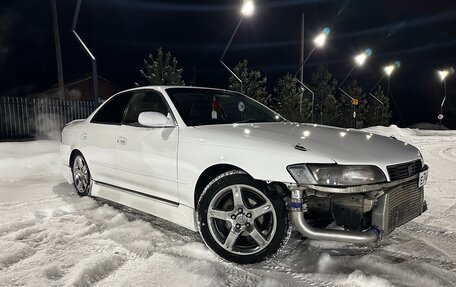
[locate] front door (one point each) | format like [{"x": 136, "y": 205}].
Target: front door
[
  {"x": 146, "y": 157},
  {"x": 98, "y": 140}
]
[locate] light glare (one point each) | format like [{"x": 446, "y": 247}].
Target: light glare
[
  {"x": 389, "y": 69},
  {"x": 320, "y": 40},
  {"x": 247, "y": 8},
  {"x": 445, "y": 73},
  {"x": 361, "y": 58}
]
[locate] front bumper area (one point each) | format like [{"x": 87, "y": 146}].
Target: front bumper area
[
  {"x": 398, "y": 206},
  {"x": 365, "y": 212}
]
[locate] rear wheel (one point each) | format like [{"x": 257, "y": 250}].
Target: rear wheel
[
  {"x": 81, "y": 176},
  {"x": 241, "y": 222}
]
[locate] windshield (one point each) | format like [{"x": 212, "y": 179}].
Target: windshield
[{"x": 213, "y": 107}]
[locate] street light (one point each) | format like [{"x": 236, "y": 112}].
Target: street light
[
  {"x": 443, "y": 74},
  {"x": 391, "y": 68},
  {"x": 319, "y": 41},
  {"x": 359, "y": 59},
  {"x": 247, "y": 9},
  {"x": 388, "y": 71}
]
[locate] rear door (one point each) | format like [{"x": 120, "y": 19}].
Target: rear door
[
  {"x": 100, "y": 138},
  {"x": 147, "y": 156}
]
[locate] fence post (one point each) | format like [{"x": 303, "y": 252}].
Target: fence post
[
  {"x": 2, "y": 118},
  {"x": 10, "y": 123},
  {"x": 27, "y": 115}
]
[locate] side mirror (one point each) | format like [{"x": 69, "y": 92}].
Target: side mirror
[{"x": 155, "y": 120}]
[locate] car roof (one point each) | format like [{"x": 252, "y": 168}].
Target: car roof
[{"x": 162, "y": 87}]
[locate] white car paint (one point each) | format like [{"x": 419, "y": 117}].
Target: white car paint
[{"x": 167, "y": 162}]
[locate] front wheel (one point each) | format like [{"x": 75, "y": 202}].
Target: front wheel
[
  {"x": 81, "y": 176},
  {"x": 241, "y": 222}
]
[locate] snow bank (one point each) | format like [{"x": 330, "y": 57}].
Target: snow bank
[{"x": 29, "y": 159}]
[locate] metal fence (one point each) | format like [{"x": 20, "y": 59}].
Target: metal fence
[{"x": 25, "y": 118}]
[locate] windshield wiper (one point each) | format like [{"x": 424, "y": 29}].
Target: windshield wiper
[{"x": 249, "y": 121}]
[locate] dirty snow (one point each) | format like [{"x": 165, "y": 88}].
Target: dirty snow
[{"x": 51, "y": 237}]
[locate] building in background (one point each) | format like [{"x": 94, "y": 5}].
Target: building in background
[{"x": 81, "y": 90}]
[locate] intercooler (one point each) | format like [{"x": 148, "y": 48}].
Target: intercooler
[{"x": 398, "y": 205}]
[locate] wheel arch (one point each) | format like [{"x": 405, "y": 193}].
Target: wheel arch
[
  {"x": 73, "y": 154},
  {"x": 208, "y": 175},
  {"x": 275, "y": 189}
]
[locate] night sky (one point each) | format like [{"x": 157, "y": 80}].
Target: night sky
[{"x": 421, "y": 34}]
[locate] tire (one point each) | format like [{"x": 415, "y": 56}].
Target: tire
[
  {"x": 82, "y": 179},
  {"x": 241, "y": 222}
]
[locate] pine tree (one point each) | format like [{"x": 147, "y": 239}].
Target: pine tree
[
  {"x": 356, "y": 92},
  {"x": 254, "y": 84},
  {"x": 331, "y": 111},
  {"x": 324, "y": 85},
  {"x": 161, "y": 70},
  {"x": 287, "y": 94},
  {"x": 379, "y": 114}
]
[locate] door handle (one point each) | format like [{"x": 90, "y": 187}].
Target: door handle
[{"x": 121, "y": 140}]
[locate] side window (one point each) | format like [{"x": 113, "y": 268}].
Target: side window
[
  {"x": 144, "y": 101},
  {"x": 113, "y": 111}
]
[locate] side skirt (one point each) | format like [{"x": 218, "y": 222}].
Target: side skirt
[{"x": 172, "y": 211}]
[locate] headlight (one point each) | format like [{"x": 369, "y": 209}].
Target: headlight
[{"x": 336, "y": 175}]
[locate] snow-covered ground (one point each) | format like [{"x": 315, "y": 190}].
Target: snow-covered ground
[{"x": 51, "y": 237}]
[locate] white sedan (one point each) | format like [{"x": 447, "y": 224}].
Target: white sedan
[{"x": 220, "y": 163}]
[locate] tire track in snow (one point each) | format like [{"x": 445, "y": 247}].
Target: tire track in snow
[
  {"x": 448, "y": 154},
  {"x": 18, "y": 204}
]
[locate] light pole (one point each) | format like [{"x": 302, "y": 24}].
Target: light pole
[
  {"x": 304, "y": 87},
  {"x": 247, "y": 9},
  {"x": 319, "y": 41},
  {"x": 359, "y": 60},
  {"x": 443, "y": 74},
  {"x": 87, "y": 50}
]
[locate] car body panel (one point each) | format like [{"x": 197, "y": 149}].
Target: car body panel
[
  {"x": 98, "y": 144},
  {"x": 147, "y": 161},
  {"x": 343, "y": 146}
]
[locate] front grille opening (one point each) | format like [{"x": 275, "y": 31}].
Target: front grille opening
[
  {"x": 405, "y": 202},
  {"x": 404, "y": 170}
]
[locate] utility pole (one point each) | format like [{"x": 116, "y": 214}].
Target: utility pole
[
  {"x": 58, "y": 52},
  {"x": 301, "y": 78}
]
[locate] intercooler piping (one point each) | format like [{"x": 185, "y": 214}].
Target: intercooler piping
[{"x": 371, "y": 235}]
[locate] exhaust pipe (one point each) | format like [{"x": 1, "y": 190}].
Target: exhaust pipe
[{"x": 371, "y": 235}]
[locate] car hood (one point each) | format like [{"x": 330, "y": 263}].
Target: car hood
[{"x": 343, "y": 146}]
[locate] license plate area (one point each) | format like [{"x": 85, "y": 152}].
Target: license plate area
[{"x": 422, "y": 178}]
